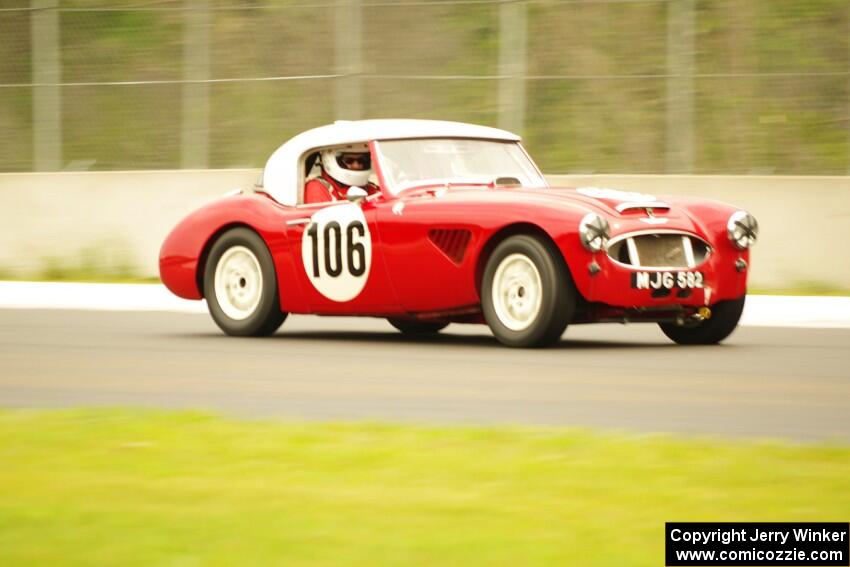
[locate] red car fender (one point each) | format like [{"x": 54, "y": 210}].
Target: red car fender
[
  {"x": 182, "y": 256},
  {"x": 713, "y": 217},
  {"x": 487, "y": 217},
  {"x": 599, "y": 279}
]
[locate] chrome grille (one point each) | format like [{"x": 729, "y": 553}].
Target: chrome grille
[{"x": 659, "y": 250}]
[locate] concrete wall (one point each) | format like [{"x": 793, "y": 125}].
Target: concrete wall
[{"x": 101, "y": 219}]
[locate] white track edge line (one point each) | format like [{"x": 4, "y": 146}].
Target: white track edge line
[{"x": 760, "y": 310}]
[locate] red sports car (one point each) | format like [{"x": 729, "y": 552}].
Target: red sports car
[{"x": 454, "y": 223}]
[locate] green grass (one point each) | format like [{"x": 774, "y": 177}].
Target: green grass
[
  {"x": 107, "y": 262},
  {"x": 802, "y": 288},
  {"x": 120, "y": 487},
  {"x": 81, "y": 278}
]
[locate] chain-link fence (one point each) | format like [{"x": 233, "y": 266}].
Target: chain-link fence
[{"x": 631, "y": 86}]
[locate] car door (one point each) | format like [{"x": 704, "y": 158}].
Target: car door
[
  {"x": 428, "y": 244},
  {"x": 339, "y": 259}
]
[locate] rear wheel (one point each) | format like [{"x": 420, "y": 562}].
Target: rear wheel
[
  {"x": 527, "y": 294},
  {"x": 240, "y": 285},
  {"x": 412, "y": 327},
  {"x": 724, "y": 318}
]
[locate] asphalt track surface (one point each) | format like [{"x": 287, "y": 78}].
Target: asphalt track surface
[{"x": 763, "y": 382}]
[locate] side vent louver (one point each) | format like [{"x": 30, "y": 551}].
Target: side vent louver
[{"x": 451, "y": 242}]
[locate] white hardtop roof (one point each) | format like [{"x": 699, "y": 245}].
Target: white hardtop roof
[{"x": 281, "y": 177}]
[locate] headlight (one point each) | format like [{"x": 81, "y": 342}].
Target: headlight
[
  {"x": 742, "y": 229},
  {"x": 594, "y": 232}
]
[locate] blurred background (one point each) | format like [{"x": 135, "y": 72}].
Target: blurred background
[
  {"x": 119, "y": 117},
  {"x": 614, "y": 86},
  {"x": 746, "y": 102}
]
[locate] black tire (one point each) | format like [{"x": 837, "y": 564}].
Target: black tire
[
  {"x": 412, "y": 327},
  {"x": 266, "y": 317},
  {"x": 724, "y": 318},
  {"x": 558, "y": 296}
]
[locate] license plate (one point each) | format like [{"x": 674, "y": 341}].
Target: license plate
[{"x": 667, "y": 280}]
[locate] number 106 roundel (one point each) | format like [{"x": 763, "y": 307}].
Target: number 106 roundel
[{"x": 427, "y": 223}]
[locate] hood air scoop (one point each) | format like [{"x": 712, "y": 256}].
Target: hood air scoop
[{"x": 647, "y": 207}]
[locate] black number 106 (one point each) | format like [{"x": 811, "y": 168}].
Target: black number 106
[{"x": 355, "y": 252}]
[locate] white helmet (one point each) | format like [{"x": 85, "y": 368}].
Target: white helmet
[{"x": 332, "y": 163}]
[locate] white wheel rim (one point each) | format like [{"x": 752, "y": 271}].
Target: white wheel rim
[
  {"x": 238, "y": 282},
  {"x": 517, "y": 292}
]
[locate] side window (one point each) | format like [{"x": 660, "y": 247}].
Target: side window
[
  {"x": 328, "y": 172},
  {"x": 310, "y": 168}
]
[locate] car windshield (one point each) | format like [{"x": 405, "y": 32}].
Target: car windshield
[{"x": 447, "y": 161}]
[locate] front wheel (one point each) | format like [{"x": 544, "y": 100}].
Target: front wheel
[
  {"x": 527, "y": 295},
  {"x": 240, "y": 285},
  {"x": 724, "y": 318}
]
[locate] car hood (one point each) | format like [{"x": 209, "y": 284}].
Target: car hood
[{"x": 625, "y": 211}]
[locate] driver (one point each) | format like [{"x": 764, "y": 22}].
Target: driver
[{"x": 341, "y": 168}]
